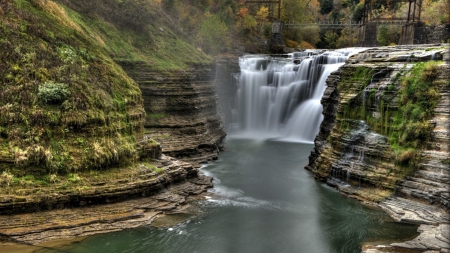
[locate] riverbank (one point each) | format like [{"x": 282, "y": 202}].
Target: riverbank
[
  {"x": 357, "y": 149},
  {"x": 434, "y": 222},
  {"x": 297, "y": 200},
  {"x": 106, "y": 207}
]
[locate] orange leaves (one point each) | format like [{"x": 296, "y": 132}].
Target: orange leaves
[{"x": 243, "y": 12}]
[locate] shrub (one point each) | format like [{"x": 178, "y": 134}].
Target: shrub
[
  {"x": 414, "y": 134},
  {"x": 213, "y": 30},
  {"x": 388, "y": 35},
  {"x": 405, "y": 156},
  {"x": 73, "y": 178},
  {"x": 53, "y": 93},
  {"x": 6, "y": 179},
  {"x": 430, "y": 70}
]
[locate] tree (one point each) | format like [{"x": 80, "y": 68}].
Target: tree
[
  {"x": 301, "y": 11},
  {"x": 213, "y": 35},
  {"x": 326, "y": 6},
  {"x": 261, "y": 18},
  {"x": 432, "y": 17},
  {"x": 388, "y": 35},
  {"x": 358, "y": 12},
  {"x": 331, "y": 39},
  {"x": 347, "y": 38}
]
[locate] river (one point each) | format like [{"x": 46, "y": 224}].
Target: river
[{"x": 263, "y": 201}]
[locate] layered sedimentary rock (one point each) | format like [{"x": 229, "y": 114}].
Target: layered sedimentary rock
[
  {"x": 124, "y": 198},
  {"x": 181, "y": 111},
  {"x": 354, "y": 152},
  {"x": 349, "y": 151},
  {"x": 35, "y": 228},
  {"x": 438, "y": 34},
  {"x": 143, "y": 180}
]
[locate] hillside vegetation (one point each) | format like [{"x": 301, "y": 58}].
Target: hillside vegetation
[
  {"x": 66, "y": 105},
  {"x": 239, "y": 23}
]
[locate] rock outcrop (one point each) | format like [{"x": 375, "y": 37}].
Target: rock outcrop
[
  {"x": 181, "y": 111},
  {"x": 72, "y": 121},
  {"x": 354, "y": 151},
  {"x": 226, "y": 67},
  {"x": 131, "y": 199},
  {"x": 86, "y": 190},
  {"x": 438, "y": 34}
]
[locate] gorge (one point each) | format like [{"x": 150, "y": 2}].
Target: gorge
[
  {"x": 122, "y": 149},
  {"x": 273, "y": 194}
]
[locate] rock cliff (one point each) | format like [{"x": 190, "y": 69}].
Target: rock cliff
[
  {"x": 181, "y": 110},
  {"x": 373, "y": 145},
  {"x": 74, "y": 126}
]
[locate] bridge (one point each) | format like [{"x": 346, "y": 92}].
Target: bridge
[
  {"x": 326, "y": 25},
  {"x": 413, "y": 30},
  {"x": 342, "y": 25}
]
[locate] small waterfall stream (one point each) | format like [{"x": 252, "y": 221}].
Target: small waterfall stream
[{"x": 279, "y": 98}]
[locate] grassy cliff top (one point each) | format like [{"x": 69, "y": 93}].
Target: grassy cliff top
[
  {"x": 132, "y": 31},
  {"x": 66, "y": 105}
]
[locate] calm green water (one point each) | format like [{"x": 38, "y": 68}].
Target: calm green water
[{"x": 266, "y": 202}]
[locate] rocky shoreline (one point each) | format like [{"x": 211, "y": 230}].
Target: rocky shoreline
[
  {"x": 353, "y": 157},
  {"x": 433, "y": 221},
  {"x": 170, "y": 192},
  {"x": 36, "y": 228}
]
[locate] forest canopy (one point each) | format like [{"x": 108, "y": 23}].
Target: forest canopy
[{"x": 238, "y": 23}]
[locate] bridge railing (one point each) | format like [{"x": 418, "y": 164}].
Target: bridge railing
[
  {"x": 338, "y": 25},
  {"x": 323, "y": 24},
  {"x": 389, "y": 21}
]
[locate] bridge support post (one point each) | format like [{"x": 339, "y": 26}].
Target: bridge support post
[
  {"x": 367, "y": 35},
  {"x": 413, "y": 33},
  {"x": 277, "y": 38}
]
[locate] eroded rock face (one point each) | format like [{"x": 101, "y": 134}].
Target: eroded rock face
[
  {"x": 348, "y": 152},
  {"x": 225, "y": 82},
  {"x": 353, "y": 153},
  {"x": 181, "y": 111}
]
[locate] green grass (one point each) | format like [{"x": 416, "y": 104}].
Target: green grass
[
  {"x": 87, "y": 122},
  {"x": 360, "y": 76},
  {"x": 153, "y": 43},
  {"x": 156, "y": 115},
  {"x": 158, "y": 170},
  {"x": 418, "y": 96}
]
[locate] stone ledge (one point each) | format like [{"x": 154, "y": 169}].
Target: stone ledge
[
  {"x": 45, "y": 226},
  {"x": 127, "y": 183}
]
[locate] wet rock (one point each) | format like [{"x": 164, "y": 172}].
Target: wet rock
[
  {"x": 358, "y": 160},
  {"x": 432, "y": 237},
  {"x": 35, "y": 228},
  {"x": 147, "y": 183}
]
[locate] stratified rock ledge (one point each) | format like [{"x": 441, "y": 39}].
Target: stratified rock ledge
[
  {"x": 36, "y": 228},
  {"x": 434, "y": 229},
  {"x": 130, "y": 201}
]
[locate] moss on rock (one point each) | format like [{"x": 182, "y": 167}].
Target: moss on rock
[{"x": 65, "y": 105}]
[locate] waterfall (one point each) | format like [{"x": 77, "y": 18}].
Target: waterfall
[{"x": 280, "y": 97}]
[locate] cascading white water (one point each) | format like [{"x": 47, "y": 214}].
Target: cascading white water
[{"x": 280, "y": 98}]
